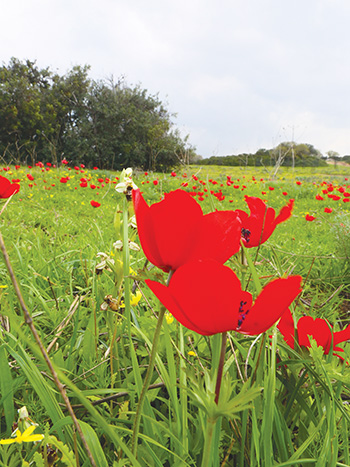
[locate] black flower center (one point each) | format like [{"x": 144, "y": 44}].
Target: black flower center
[
  {"x": 246, "y": 234},
  {"x": 242, "y": 313}
]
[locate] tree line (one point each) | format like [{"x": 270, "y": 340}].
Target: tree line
[
  {"x": 47, "y": 117},
  {"x": 285, "y": 154}
]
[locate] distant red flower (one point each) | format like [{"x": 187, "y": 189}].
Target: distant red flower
[
  {"x": 328, "y": 210},
  {"x": 284, "y": 193},
  {"x": 207, "y": 298},
  {"x": 95, "y": 168},
  {"x": 318, "y": 328},
  {"x": 64, "y": 179},
  {"x": 7, "y": 188},
  {"x": 173, "y": 174},
  {"x": 17, "y": 167},
  {"x": 30, "y": 177},
  {"x": 309, "y": 218},
  {"x": 48, "y": 164},
  {"x": 298, "y": 182},
  {"x": 64, "y": 161},
  {"x": 82, "y": 166},
  {"x": 95, "y": 204},
  {"x": 319, "y": 197},
  {"x": 155, "y": 182},
  {"x": 271, "y": 188},
  {"x": 175, "y": 230},
  {"x": 260, "y": 224},
  {"x": 83, "y": 184}
]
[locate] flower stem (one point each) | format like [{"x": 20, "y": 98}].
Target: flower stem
[
  {"x": 136, "y": 428},
  {"x": 147, "y": 379},
  {"x": 221, "y": 366},
  {"x": 206, "y": 459}
]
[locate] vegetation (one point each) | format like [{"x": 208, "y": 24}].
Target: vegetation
[
  {"x": 47, "y": 117},
  {"x": 288, "y": 154},
  {"x": 83, "y": 284}
]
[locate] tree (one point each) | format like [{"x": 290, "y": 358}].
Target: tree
[{"x": 47, "y": 116}]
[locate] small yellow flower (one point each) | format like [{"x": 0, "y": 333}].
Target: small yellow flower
[
  {"x": 169, "y": 317},
  {"x": 191, "y": 353},
  {"x": 135, "y": 298},
  {"x": 26, "y": 437}
]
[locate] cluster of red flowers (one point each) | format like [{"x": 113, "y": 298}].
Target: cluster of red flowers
[
  {"x": 206, "y": 296},
  {"x": 203, "y": 294},
  {"x": 7, "y": 188}
]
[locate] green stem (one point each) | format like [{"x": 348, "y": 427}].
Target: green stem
[
  {"x": 221, "y": 366},
  {"x": 211, "y": 422},
  {"x": 206, "y": 459},
  {"x": 136, "y": 428},
  {"x": 146, "y": 382}
]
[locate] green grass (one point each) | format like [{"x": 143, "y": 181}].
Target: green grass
[{"x": 294, "y": 412}]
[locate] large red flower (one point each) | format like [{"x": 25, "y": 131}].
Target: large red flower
[
  {"x": 207, "y": 298},
  {"x": 175, "y": 231},
  {"x": 259, "y": 225},
  {"x": 317, "y": 328},
  {"x": 7, "y": 188}
]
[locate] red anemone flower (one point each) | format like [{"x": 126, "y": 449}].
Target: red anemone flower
[
  {"x": 7, "y": 188},
  {"x": 175, "y": 230},
  {"x": 95, "y": 204},
  {"x": 309, "y": 218},
  {"x": 317, "y": 328},
  {"x": 260, "y": 224},
  {"x": 206, "y": 297}
]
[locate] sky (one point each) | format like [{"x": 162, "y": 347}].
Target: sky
[{"x": 240, "y": 75}]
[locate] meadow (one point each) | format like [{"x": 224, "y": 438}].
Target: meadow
[{"x": 142, "y": 394}]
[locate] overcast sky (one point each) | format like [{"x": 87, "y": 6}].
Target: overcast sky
[{"x": 239, "y": 74}]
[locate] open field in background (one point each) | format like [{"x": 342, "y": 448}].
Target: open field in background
[{"x": 53, "y": 235}]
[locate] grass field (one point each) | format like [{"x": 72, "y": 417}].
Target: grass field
[{"x": 280, "y": 406}]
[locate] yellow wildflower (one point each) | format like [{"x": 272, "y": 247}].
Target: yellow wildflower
[
  {"x": 169, "y": 317},
  {"x": 191, "y": 353},
  {"x": 26, "y": 437},
  {"x": 135, "y": 298}
]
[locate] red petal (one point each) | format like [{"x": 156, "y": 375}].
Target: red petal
[
  {"x": 286, "y": 327},
  {"x": 145, "y": 229},
  {"x": 11, "y": 190},
  {"x": 341, "y": 336},
  {"x": 176, "y": 224},
  {"x": 318, "y": 329},
  {"x": 220, "y": 236},
  {"x": 285, "y": 212},
  {"x": 164, "y": 295},
  {"x": 205, "y": 296},
  {"x": 270, "y": 305}
]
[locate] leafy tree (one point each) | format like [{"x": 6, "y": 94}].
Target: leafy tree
[{"x": 47, "y": 116}]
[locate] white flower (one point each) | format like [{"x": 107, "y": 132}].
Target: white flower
[
  {"x": 132, "y": 222},
  {"x": 106, "y": 262},
  {"x": 118, "y": 245},
  {"x": 134, "y": 246},
  {"x": 126, "y": 181}
]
